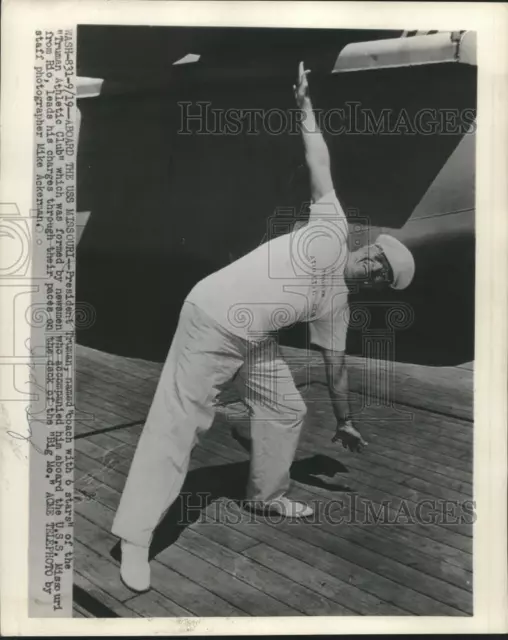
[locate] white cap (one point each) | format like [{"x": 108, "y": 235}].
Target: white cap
[{"x": 400, "y": 258}]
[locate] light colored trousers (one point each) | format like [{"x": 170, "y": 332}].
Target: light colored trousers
[{"x": 202, "y": 358}]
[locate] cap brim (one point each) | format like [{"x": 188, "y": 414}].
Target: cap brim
[{"x": 401, "y": 261}]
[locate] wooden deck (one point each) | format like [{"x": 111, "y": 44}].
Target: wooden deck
[{"x": 225, "y": 562}]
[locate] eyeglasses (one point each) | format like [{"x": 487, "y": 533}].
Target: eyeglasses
[{"x": 386, "y": 273}]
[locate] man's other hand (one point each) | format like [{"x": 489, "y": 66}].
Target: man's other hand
[{"x": 301, "y": 90}]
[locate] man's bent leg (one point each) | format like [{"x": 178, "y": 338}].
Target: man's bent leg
[
  {"x": 277, "y": 411},
  {"x": 201, "y": 358}
]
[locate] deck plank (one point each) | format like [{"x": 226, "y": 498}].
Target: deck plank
[
  {"x": 103, "y": 597},
  {"x": 155, "y": 605},
  {"x": 90, "y": 446},
  {"x": 123, "y": 400},
  {"x": 447, "y": 389},
  {"x": 228, "y": 588},
  {"x": 132, "y": 366},
  {"x": 113, "y": 500},
  {"x": 300, "y": 543},
  {"x": 338, "y": 598},
  {"x": 175, "y": 587},
  {"x": 122, "y": 380},
  {"x": 94, "y": 414},
  {"x": 271, "y": 557},
  {"x": 225, "y": 563},
  {"x": 96, "y": 567},
  {"x": 217, "y": 533},
  {"x": 240, "y": 594},
  {"x": 302, "y": 598},
  {"x": 377, "y": 464},
  {"x": 112, "y": 412},
  {"x": 369, "y": 485},
  {"x": 407, "y": 539},
  {"x": 377, "y": 420}
]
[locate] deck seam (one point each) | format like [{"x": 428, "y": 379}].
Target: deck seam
[
  {"x": 319, "y": 496},
  {"x": 352, "y": 561},
  {"x": 162, "y": 564}
]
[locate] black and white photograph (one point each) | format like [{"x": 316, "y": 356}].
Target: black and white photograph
[
  {"x": 275, "y": 322},
  {"x": 254, "y": 318}
]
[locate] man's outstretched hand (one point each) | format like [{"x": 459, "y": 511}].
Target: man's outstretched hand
[
  {"x": 301, "y": 90},
  {"x": 351, "y": 438}
]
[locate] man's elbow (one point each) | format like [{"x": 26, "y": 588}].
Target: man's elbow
[{"x": 321, "y": 183}]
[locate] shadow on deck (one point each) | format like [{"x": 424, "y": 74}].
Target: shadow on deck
[{"x": 391, "y": 534}]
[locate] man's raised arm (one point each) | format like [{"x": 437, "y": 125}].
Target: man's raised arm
[{"x": 316, "y": 151}]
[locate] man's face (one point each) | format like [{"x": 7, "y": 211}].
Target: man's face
[{"x": 369, "y": 268}]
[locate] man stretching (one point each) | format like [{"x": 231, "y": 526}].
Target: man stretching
[{"x": 226, "y": 329}]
